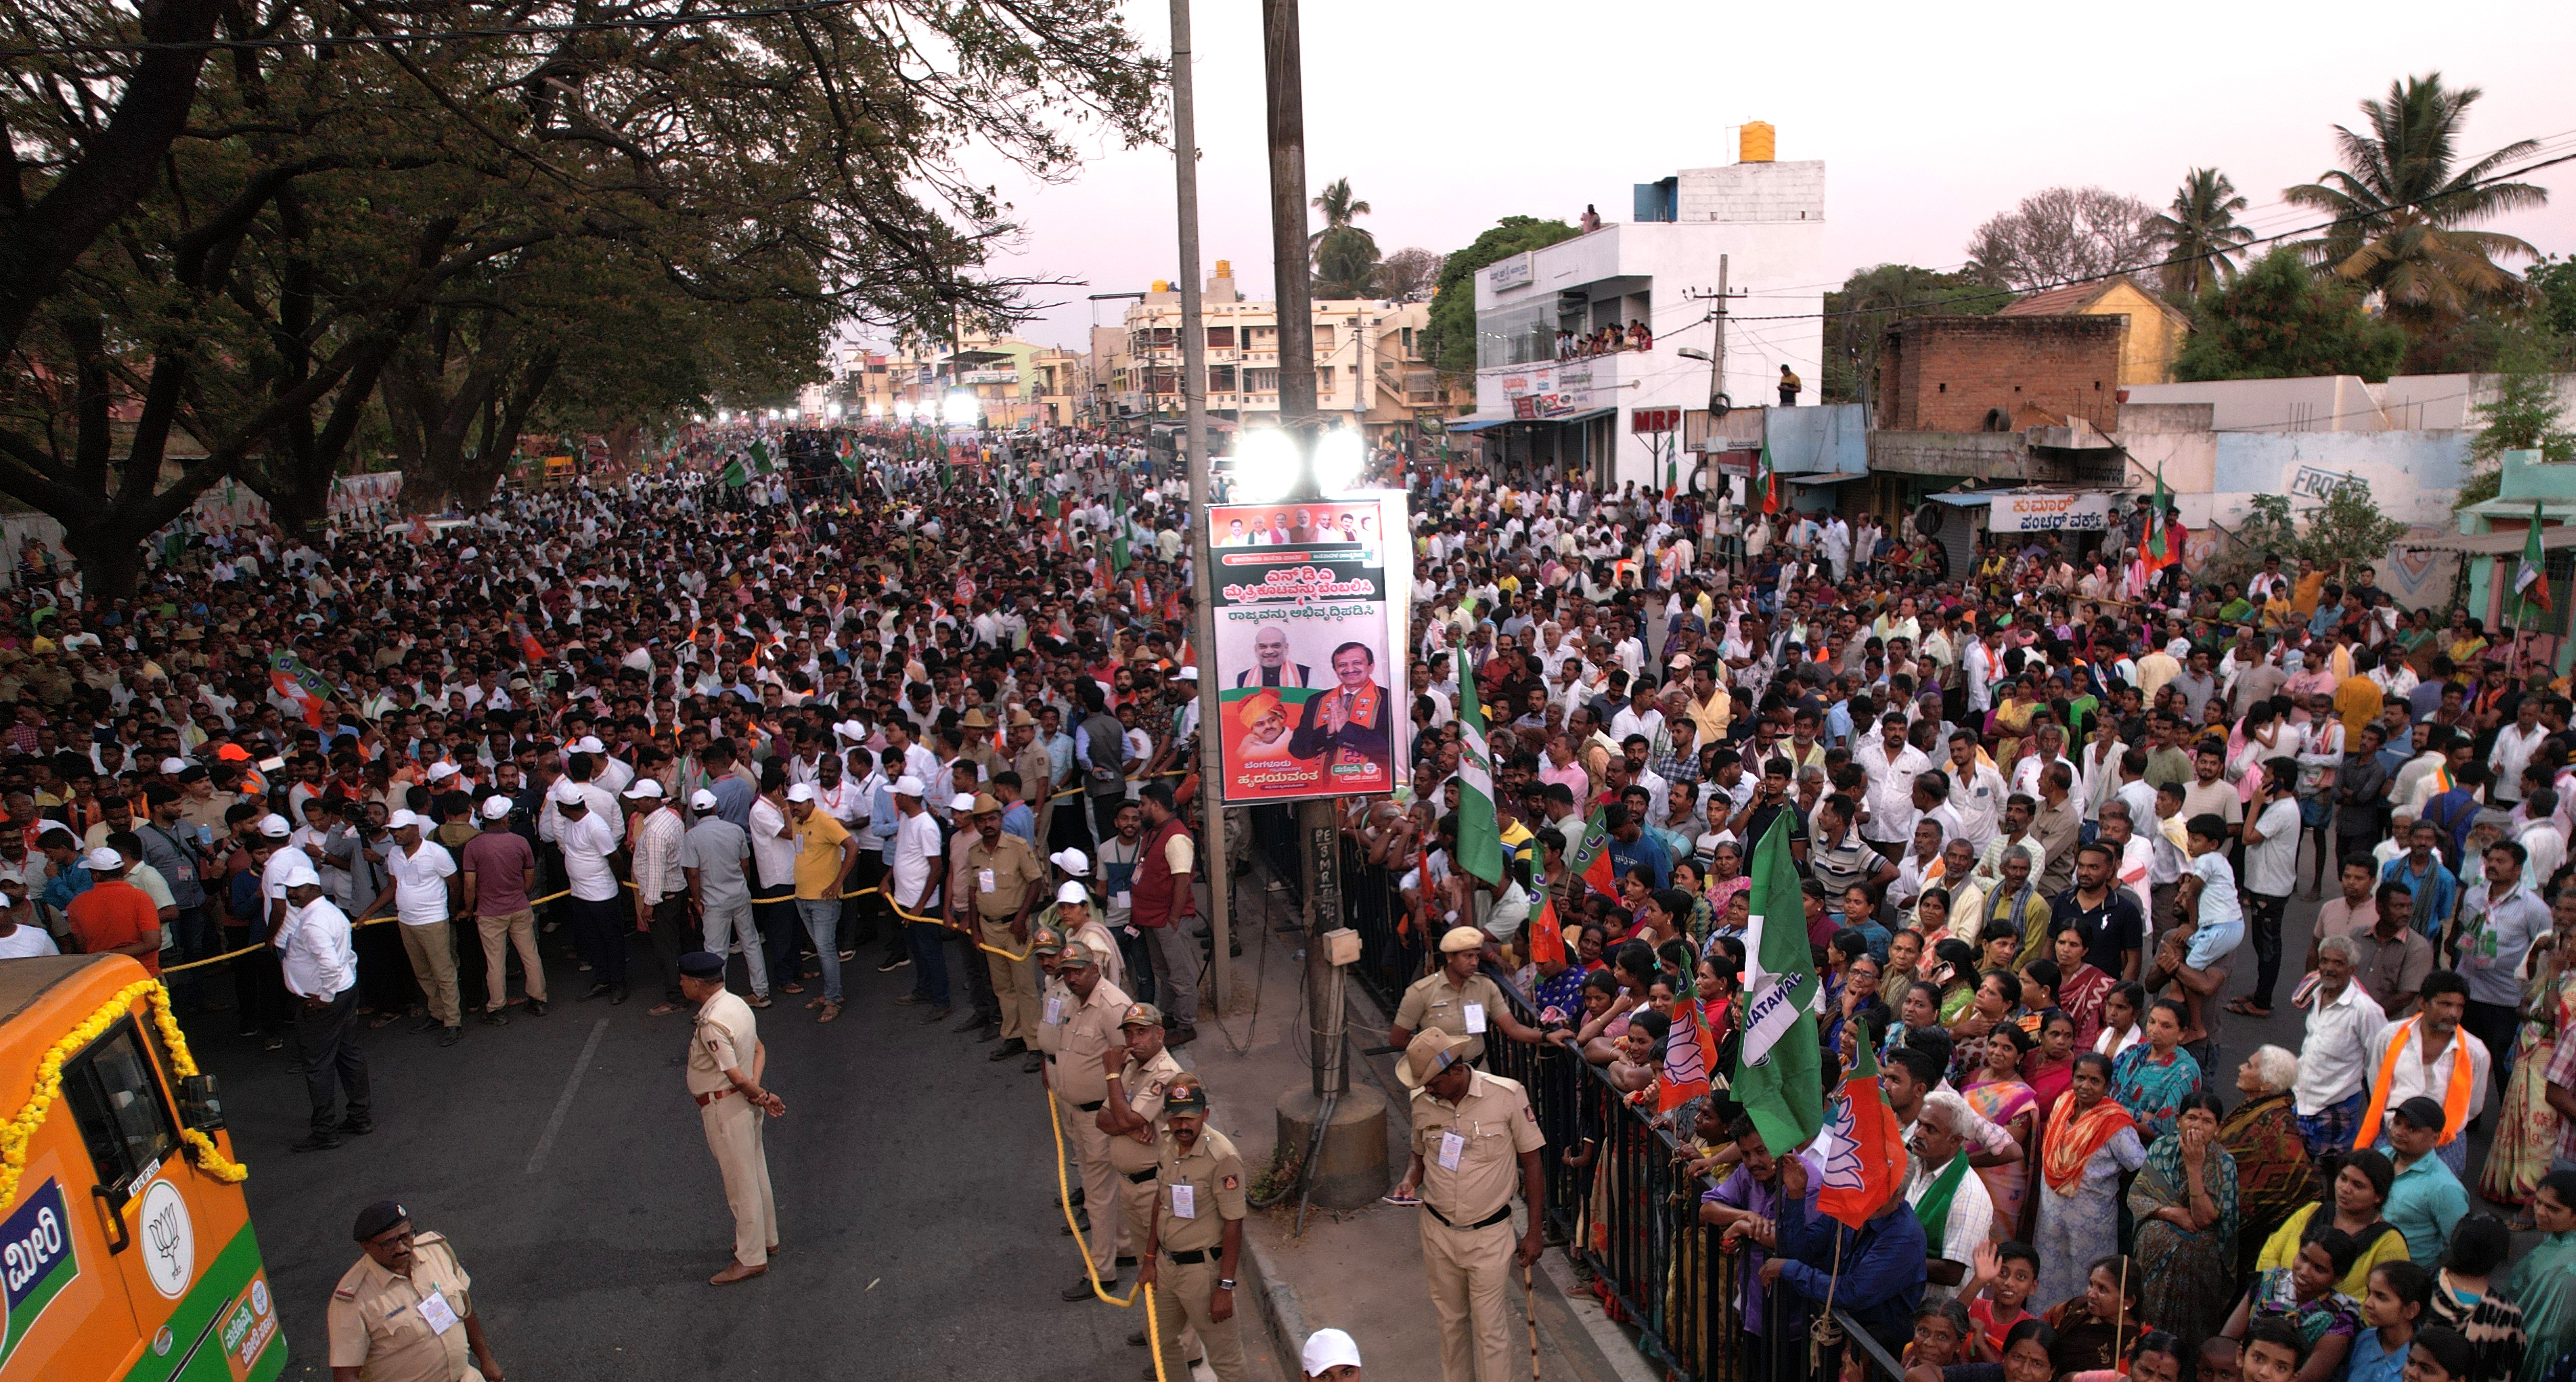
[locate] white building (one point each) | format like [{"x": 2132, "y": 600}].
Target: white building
[{"x": 1535, "y": 409}]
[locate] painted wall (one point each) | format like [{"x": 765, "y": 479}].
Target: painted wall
[{"x": 2413, "y": 476}]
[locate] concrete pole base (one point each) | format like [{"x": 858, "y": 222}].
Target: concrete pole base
[{"x": 1350, "y": 1169}]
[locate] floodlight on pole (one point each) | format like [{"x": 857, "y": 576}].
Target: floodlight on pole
[
  {"x": 903, "y": 409},
  {"x": 961, "y": 408}
]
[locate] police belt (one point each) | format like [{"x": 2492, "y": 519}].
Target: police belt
[
  {"x": 1192, "y": 1257},
  {"x": 713, "y": 1094},
  {"x": 1488, "y": 1221},
  {"x": 1140, "y": 1177}
]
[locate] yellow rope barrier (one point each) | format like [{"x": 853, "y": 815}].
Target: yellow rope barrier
[{"x": 1064, "y": 1201}]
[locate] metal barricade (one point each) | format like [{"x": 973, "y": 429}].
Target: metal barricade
[{"x": 1392, "y": 955}]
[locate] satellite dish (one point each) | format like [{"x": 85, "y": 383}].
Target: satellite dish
[{"x": 1928, "y": 519}]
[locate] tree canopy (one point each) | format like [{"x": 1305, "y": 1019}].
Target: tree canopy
[
  {"x": 1450, "y": 341},
  {"x": 2280, "y": 319}
]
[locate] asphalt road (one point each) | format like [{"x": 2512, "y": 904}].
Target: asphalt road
[{"x": 915, "y": 1189}]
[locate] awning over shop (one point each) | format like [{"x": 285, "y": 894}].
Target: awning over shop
[
  {"x": 1962, "y": 501},
  {"x": 2511, "y": 540},
  {"x": 1585, "y": 416},
  {"x": 1829, "y": 478},
  {"x": 1475, "y": 424}
]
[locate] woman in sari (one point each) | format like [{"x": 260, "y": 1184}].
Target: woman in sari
[
  {"x": 1996, "y": 1091},
  {"x": 2527, "y": 1131},
  {"x": 2186, "y": 1210},
  {"x": 2545, "y": 1281},
  {"x": 2274, "y": 1177},
  {"x": 1702, "y": 919},
  {"x": 2080, "y": 987},
  {"x": 2153, "y": 1079},
  {"x": 2090, "y": 1143},
  {"x": 2352, "y": 1198},
  {"x": 1956, "y": 973},
  {"x": 2008, "y": 723},
  {"x": 2050, "y": 1067}
]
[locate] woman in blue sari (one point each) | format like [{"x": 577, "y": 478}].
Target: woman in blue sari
[{"x": 2153, "y": 1078}]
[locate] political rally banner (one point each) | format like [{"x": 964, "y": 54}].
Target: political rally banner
[{"x": 1309, "y": 647}]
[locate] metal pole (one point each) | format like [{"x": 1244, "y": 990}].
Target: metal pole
[
  {"x": 1318, "y": 822},
  {"x": 1185, "y": 174}
]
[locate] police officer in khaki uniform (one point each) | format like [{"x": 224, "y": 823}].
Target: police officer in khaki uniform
[
  {"x": 1084, "y": 1009},
  {"x": 1196, "y": 1235},
  {"x": 405, "y": 1312},
  {"x": 1130, "y": 1118},
  {"x": 1035, "y": 766},
  {"x": 1458, "y": 999},
  {"x": 1471, "y": 1130},
  {"x": 726, "y": 1061},
  {"x": 1006, "y": 879}
]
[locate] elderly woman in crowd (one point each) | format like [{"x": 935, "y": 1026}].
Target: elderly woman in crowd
[
  {"x": 2274, "y": 1176},
  {"x": 2186, "y": 1208}
]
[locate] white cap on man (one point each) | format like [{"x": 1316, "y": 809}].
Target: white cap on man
[
  {"x": 567, "y": 792},
  {"x": 275, "y": 826},
  {"x": 497, "y": 808},
  {"x": 908, "y": 786},
  {"x": 645, "y": 789},
  {"x": 802, "y": 791},
  {"x": 702, "y": 800},
  {"x": 103, "y": 860},
  {"x": 1327, "y": 1349}
]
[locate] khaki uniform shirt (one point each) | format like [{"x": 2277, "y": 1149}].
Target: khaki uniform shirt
[
  {"x": 1034, "y": 766},
  {"x": 1432, "y": 1005},
  {"x": 1208, "y": 1182},
  {"x": 999, "y": 877},
  {"x": 723, "y": 1038},
  {"x": 1053, "y": 997},
  {"x": 379, "y": 1326},
  {"x": 1085, "y": 1032},
  {"x": 1476, "y": 1175},
  {"x": 1144, "y": 1083}
]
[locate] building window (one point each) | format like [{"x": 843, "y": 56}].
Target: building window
[
  {"x": 1323, "y": 336},
  {"x": 1261, "y": 337},
  {"x": 1261, "y": 381},
  {"x": 1220, "y": 338},
  {"x": 1220, "y": 379},
  {"x": 1408, "y": 342},
  {"x": 1521, "y": 334}
]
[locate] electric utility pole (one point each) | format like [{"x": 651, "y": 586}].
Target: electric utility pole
[{"x": 1185, "y": 174}]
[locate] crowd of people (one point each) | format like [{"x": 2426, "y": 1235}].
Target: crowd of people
[{"x": 934, "y": 718}]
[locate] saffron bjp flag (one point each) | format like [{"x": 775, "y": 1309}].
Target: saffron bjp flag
[
  {"x": 1690, "y": 1052},
  {"x": 1778, "y": 1068},
  {"x": 299, "y": 685},
  {"x": 1547, "y": 937},
  {"x": 1592, "y": 862},
  {"x": 1867, "y": 1150}
]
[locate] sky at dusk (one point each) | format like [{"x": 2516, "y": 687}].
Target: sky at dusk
[{"x": 1447, "y": 115}]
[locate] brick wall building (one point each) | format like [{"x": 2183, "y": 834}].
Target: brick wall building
[{"x": 1996, "y": 374}]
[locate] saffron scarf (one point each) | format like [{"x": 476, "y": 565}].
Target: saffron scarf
[{"x": 2074, "y": 1137}]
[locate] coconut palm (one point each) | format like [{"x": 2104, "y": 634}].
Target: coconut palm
[
  {"x": 2198, "y": 234},
  {"x": 1339, "y": 210},
  {"x": 2402, "y": 199}
]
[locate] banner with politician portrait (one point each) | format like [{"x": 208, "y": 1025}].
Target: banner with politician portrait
[{"x": 1307, "y": 661}]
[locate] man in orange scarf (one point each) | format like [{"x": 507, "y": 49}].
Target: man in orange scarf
[{"x": 1350, "y": 725}]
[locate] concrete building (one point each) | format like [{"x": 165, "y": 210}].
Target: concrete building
[
  {"x": 2491, "y": 542},
  {"x": 2344, "y": 402},
  {"x": 2152, "y": 329},
  {"x": 1537, "y": 411},
  {"x": 1369, "y": 368}
]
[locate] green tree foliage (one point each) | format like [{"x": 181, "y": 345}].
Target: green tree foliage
[
  {"x": 2197, "y": 235},
  {"x": 327, "y": 201},
  {"x": 1450, "y": 341},
  {"x": 2346, "y": 526},
  {"x": 1858, "y": 314},
  {"x": 1346, "y": 264},
  {"x": 2404, "y": 198},
  {"x": 2279, "y": 319}
]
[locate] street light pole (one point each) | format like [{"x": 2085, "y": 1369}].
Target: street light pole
[{"x": 1185, "y": 173}]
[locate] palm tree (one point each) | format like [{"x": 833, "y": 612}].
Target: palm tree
[
  {"x": 2400, "y": 202},
  {"x": 2199, "y": 234},
  {"x": 1339, "y": 209}
]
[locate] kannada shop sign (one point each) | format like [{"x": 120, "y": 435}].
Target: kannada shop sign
[
  {"x": 2088, "y": 512},
  {"x": 1307, "y": 657}
]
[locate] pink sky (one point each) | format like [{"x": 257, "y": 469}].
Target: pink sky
[{"x": 1447, "y": 115}]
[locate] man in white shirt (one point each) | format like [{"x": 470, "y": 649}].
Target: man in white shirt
[
  {"x": 2514, "y": 744},
  {"x": 914, "y": 866},
  {"x": 1888, "y": 798},
  {"x": 2333, "y": 1063},
  {"x": 421, "y": 882},
  {"x": 20, "y": 937},
  {"x": 320, "y": 968},
  {"x": 1940, "y": 1160},
  {"x": 2543, "y": 839},
  {"x": 598, "y": 922},
  {"x": 1976, "y": 790}
]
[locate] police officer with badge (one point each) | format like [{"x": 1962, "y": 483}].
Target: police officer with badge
[
  {"x": 405, "y": 1312},
  {"x": 726, "y": 1063},
  {"x": 1471, "y": 1132},
  {"x": 1196, "y": 1236},
  {"x": 1084, "y": 1010},
  {"x": 1143, "y": 1071},
  {"x": 1458, "y": 999}
]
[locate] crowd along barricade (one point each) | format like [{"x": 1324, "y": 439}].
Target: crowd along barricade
[
  {"x": 1392, "y": 952},
  {"x": 1624, "y": 1205}
]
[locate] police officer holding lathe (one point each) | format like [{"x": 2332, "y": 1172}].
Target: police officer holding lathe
[
  {"x": 726, "y": 1061},
  {"x": 1469, "y": 1130},
  {"x": 1197, "y": 1235},
  {"x": 1458, "y": 999},
  {"x": 1084, "y": 1011},
  {"x": 405, "y": 1312}
]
